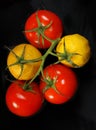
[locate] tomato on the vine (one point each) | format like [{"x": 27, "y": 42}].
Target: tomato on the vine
[
  {"x": 42, "y": 26},
  {"x": 24, "y": 100},
  {"x": 74, "y": 50},
  {"x": 20, "y": 61},
  {"x": 59, "y": 83}
]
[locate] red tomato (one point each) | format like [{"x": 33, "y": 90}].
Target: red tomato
[
  {"x": 49, "y": 25},
  {"x": 59, "y": 83},
  {"x": 22, "y": 102}
]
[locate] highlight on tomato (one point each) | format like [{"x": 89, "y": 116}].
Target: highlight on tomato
[
  {"x": 23, "y": 100},
  {"x": 23, "y": 61},
  {"x": 58, "y": 84},
  {"x": 41, "y": 27}
]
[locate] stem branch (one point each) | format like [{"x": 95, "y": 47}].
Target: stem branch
[{"x": 43, "y": 58}]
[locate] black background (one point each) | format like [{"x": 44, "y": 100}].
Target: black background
[{"x": 78, "y": 16}]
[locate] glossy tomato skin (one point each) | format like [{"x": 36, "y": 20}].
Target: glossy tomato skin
[
  {"x": 25, "y": 71},
  {"x": 21, "y": 102},
  {"x": 66, "y": 83},
  {"x": 53, "y": 32}
]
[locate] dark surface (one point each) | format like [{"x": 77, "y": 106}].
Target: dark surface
[{"x": 78, "y": 17}]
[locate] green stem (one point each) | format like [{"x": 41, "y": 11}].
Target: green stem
[
  {"x": 44, "y": 36},
  {"x": 30, "y": 61},
  {"x": 40, "y": 70}
]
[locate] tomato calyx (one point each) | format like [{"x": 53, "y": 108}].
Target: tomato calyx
[
  {"x": 50, "y": 83},
  {"x": 26, "y": 87},
  {"x": 67, "y": 56},
  {"x": 21, "y": 61},
  {"x": 40, "y": 30}
]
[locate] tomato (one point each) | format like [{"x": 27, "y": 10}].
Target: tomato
[
  {"x": 74, "y": 50},
  {"x": 59, "y": 83},
  {"x": 23, "y": 102},
  {"x": 42, "y": 24},
  {"x": 18, "y": 61}
]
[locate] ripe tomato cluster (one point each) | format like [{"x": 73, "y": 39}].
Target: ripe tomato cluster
[{"x": 57, "y": 82}]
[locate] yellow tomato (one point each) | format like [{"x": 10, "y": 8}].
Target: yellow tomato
[
  {"x": 73, "y": 50},
  {"x": 18, "y": 61}
]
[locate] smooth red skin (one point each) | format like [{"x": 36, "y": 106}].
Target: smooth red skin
[
  {"x": 53, "y": 32},
  {"x": 66, "y": 83},
  {"x": 21, "y": 102}
]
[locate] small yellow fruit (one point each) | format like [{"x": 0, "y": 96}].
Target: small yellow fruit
[
  {"x": 18, "y": 61},
  {"x": 73, "y": 50}
]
